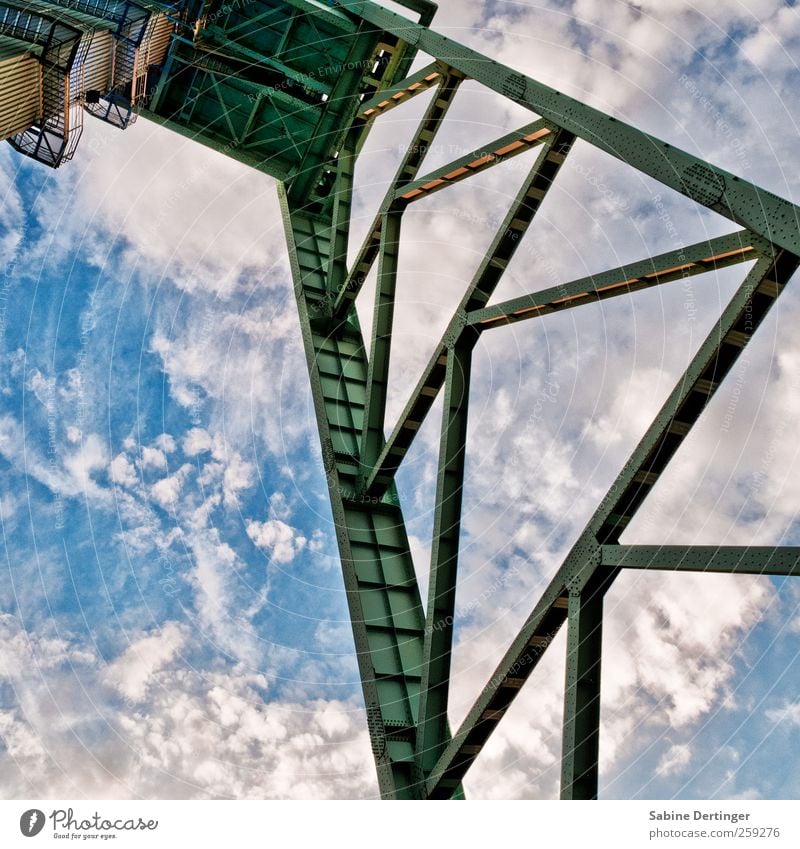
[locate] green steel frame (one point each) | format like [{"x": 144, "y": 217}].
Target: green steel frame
[
  {"x": 416, "y": 755},
  {"x": 251, "y": 86}
]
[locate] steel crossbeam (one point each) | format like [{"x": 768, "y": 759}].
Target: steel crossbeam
[
  {"x": 505, "y": 244},
  {"x": 731, "y": 559},
  {"x": 684, "y": 406},
  {"x": 760, "y": 211},
  {"x": 680, "y": 264}
]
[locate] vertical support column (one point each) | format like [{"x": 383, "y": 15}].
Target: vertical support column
[
  {"x": 372, "y": 438},
  {"x": 381, "y": 587},
  {"x": 433, "y": 733},
  {"x": 579, "y": 756},
  {"x": 342, "y": 205}
]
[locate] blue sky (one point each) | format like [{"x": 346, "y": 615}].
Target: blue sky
[{"x": 172, "y": 622}]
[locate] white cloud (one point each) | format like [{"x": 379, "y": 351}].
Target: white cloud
[
  {"x": 226, "y": 742},
  {"x": 196, "y": 217},
  {"x": 192, "y": 734},
  {"x": 70, "y": 475},
  {"x": 24, "y": 654},
  {"x": 196, "y": 441},
  {"x": 787, "y": 715},
  {"x": 167, "y": 491},
  {"x": 132, "y": 672},
  {"x": 772, "y": 48},
  {"x": 224, "y": 606},
  {"x": 166, "y": 443},
  {"x": 281, "y": 541},
  {"x": 317, "y": 542},
  {"x": 675, "y": 759},
  {"x": 221, "y": 365},
  {"x": 153, "y": 458},
  {"x": 279, "y": 506},
  {"x": 91, "y": 456},
  {"x": 122, "y": 471},
  {"x": 9, "y": 506},
  {"x": 13, "y": 218},
  {"x": 237, "y": 477}
]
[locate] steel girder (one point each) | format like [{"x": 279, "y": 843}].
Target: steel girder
[
  {"x": 730, "y": 559},
  {"x": 404, "y": 655},
  {"x": 382, "y": 593},
  {"x": 507, "y": 240},
  {"x": 764, "y": 213}
]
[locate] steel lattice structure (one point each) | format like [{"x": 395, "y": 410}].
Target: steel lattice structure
[{"x": 292, "y": 88}]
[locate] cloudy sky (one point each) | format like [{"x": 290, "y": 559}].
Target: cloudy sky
[{"x": 172, "y": 617}]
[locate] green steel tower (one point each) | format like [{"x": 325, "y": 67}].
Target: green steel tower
[{"x": 292, "y": 88}]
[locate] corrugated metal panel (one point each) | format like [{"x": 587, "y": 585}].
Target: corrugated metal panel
[
  {"x": 159, "y": 43},
  {"x": 19, "y": 94},
  {"x": 97, "y": 66}
]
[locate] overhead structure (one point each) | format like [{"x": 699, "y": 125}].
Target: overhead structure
[
  {"x": 292, "y": 89},
  {"x": 58, "y": 60}
]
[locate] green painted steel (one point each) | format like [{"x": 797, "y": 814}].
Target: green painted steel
[
  {"x": 504, "y": 245},
  {"x": 400, "y": 93},
  {"x": 292, "y": 89},
  {"x": 734, "y": 559},
  {"x": 711, "y": 255},
  {"x": 581, "y": 744},
  {"x": 275, "y": 85},
  {"x": 382, "y": 593},
  {"x": 487, "y": 156},
  {"x": 764, "y": 213},
  {"x": 378, "y": 375},
  {"x": 433, "y": 730},
  {"x": 700, "y": 381}
]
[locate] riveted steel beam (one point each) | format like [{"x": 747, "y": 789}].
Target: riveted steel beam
[
  {"x": 711, "y": 255},
  {"x": 491, "y": 154},
  {"x": 766, "y": 214},
  {"x": 342, "y": 207},
  {"x": 433, "y": 731},
  {"x": 381, "y": 586},
  {"x": 334, "y": 16},
  {"x": 410, "y": 165},
  {"x": 581, "y": 731},
  {"x": 378, "y": 374},
  {"x": 329, "y": 125},
  {"x": 713, "y": 361},
  {"x": 390, "y": 98},
  {"x": 505, "y": 243},
  {"x": 733, "y": 559}
]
